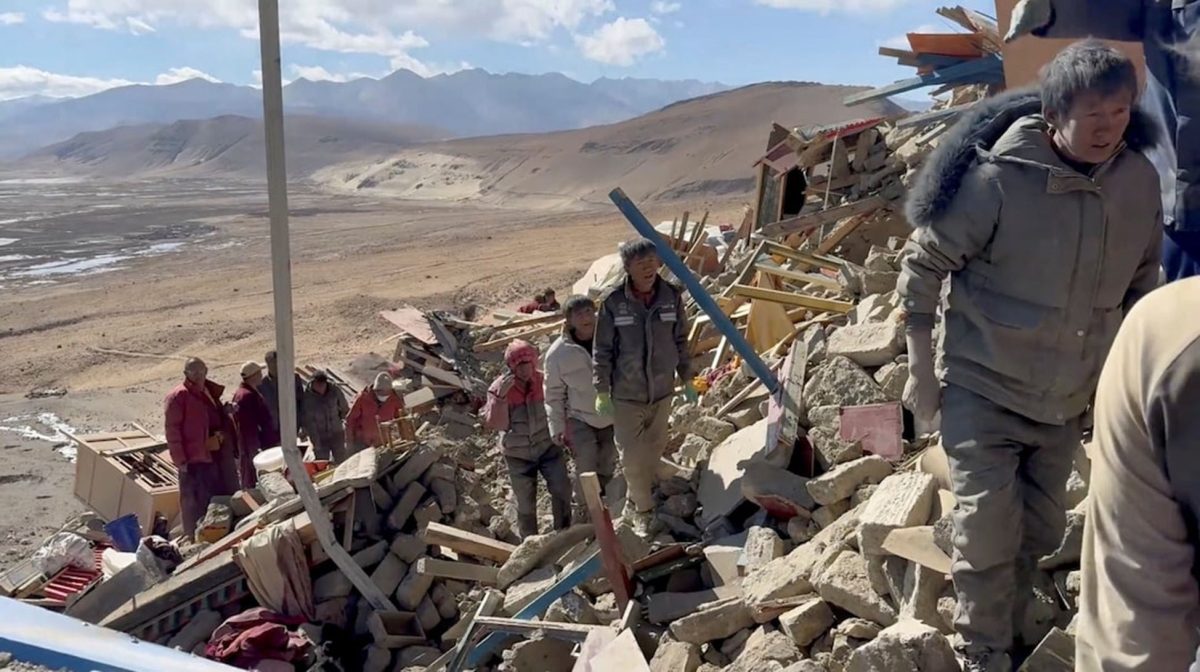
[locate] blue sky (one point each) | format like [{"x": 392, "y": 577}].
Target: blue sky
[{"x": 72, "y": 47}]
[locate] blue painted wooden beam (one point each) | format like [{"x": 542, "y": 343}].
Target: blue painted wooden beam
[
  {"x": 706, "y": 303},
  {"x": 988, "y": 68}
]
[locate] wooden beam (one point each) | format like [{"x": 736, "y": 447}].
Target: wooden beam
[
  {"x": 793, "y": 299},
  {"x": 986, "y": 69},
  {"x": 798, "y": 276},
  {"x": 792, "y": 393},
  {"x": 435, "y": 373},
  {"x": 463, "y": 571},
  {"x": 525, "y": 322},
  {"x": 491, "y": 603},
  {"x": 572, "y": 632},
  {"x": 812, "y": 220},
  {"x": 468, "y": 543},
  {"x": 839, "y": 234},
  {"x": 804, "y": 258},
  {"x": 503, "y": 341},
  {"x": 615, "y": 568},
  {"x": 747, "y": 267}
]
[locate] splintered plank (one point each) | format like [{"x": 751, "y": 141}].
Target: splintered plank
[
  {"x": 615, "y": 568},
  {"x": 463, "y": 571},
  {"x": 467, "y": 543},
  {"x": 502, "y": 342},
  {"x": 799, "y": 276},
  {"x": 412, "y": 322},
  {"x": 813, "y": 220},
  {"x": 793, "y": 299}
]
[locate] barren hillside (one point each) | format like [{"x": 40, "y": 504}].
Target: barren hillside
[
  {"x": 704, "y": 146},
  {"x": 227, "y": 146}
]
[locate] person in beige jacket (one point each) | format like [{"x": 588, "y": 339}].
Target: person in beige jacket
[
  {"x": 1040, "y": 210},
  {"x": 1139, "y": 607}
]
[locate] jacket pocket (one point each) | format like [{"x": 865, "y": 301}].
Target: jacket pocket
[{"x": 1008, "y": 311}]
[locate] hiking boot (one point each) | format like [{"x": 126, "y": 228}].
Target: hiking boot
[
  {"x": 990, "y": 661},
  {"x": 641, "y": 522}
]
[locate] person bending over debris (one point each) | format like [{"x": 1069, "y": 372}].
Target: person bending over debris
[
  {"x": 571, "y": 397},
  {"x": 323, "y": 412},
  {"x": 1139, "y": 605},
  {"x": 1043, "y": 224},
  {"x": 270, "y": 390},
  {"x": 516, "y": 408},
  {"x": 252, "y": 420},
  {"x": 549, "y": 302},
  {"x": 375, "y": 404},
  {"x": 640, "y": 346},
  {"x": 533, "y": 306},
  {"x": 198, "y": 439},
  {"x": 1169, "y": 35}
]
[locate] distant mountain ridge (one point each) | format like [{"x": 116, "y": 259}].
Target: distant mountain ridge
[{"x": 463, "y": 104}]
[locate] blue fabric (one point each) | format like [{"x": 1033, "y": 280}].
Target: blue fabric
[{"x": 1181, "y": 254}]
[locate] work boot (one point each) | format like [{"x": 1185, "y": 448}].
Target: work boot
[
  {"x": 640, "y": 522},
  {"x": 991, "y": 661}
]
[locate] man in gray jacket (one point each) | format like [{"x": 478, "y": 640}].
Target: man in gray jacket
[
  {"x": 1041, "y": 210},
  {"x": 571, "y": 397},
  {"x": 322, "y": 413},
  {"x": 639, "y": 349}
]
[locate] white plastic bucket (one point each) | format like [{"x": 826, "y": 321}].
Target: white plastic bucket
[{"x": 270, "y": 459}]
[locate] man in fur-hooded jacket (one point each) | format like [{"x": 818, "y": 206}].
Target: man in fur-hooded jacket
[{"x": 1042, "y": 211}]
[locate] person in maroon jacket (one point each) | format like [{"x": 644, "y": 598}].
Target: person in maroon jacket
[
  {"x": 199, "y": 442},
  {"x": 252, "y": 418}
]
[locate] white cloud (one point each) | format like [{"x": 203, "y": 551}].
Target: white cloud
[
  {"x": 11, "y": 18},
  {"x": 379, "y": 27},
  {"x": 901, "y": 41},
  {"x": 665, "y": 7},
  {"x": 621, "y": 42},
  {"x": 176, "y": 75},
  {"x": 21, "y": 81},
  {"x": 317, "y": 73},
  {"x": 831, "y": 6}
]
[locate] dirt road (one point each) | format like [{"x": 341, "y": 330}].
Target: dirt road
[{"x": 211, "y": 296}]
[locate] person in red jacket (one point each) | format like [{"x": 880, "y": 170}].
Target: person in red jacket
[
  {"x": 516, "y": 407},
  {"x": 252, "y": 419},
  {"x": 375, "y": 404},
  {"x": 199, "y": 442}
]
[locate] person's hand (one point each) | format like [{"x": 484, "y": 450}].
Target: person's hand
[
  {"x": 604, "y": 405},
  {"x": 690, "y": 394},
  {"x": 1028, "y": 16},
  {"x": 922, "y": 392}
]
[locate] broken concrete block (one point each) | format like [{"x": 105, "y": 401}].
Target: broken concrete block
[
  {"x": 446, "y": 494},
  {"x": 534, "y": 549},
  {"x": 807, "y": 622},
  {"x": 806, "y": 666},
  {"x": 841, "y": 382},
  {"x": 712, "y": 429},
  {"x": 921, "y": 591},
  {"x": 744, "y": 417},
  {"x": 717, "y": 620},
  {"x": 892, "y": 377},
  {"x": 524, "y": 590},
  {"x": 378, "y": 659},
  {"x": 198, "y": 629},
  {"x": 762, "y": 546},
  {"x": 388, "y": 575},
  {"x": 859, "y": 628},
  {"x": 763, "y": 650},
  {"x": 408, "y": 547},
  {"x": 539, "y": 655},
  {"x": 682, "y": 506},
  {"x": 443, "y": 599},
  {"x": 863, "y": 494},
  {"x": 428, "y": 615},
  {"x": 675, "y": 656},
  {"x": 439, "y": 471},
  {"x": 827, "y": 515},
  {"x": 412, "y": 589},
  {"x": 406, "y": 504},
  {"x": 831, "y": 449},
  {"x": 371, "y": 556},
  {"x": 873, "y": 308},
  {"x": 946, "y": 607},
  {"x": 273, "y": 486},
  {"x": 839, "y": 484},
  {"x": 419, "y": 460},
  {"x": 845, "y": 584},
  {"x": 902, "y": 500},
  {"x": 428, "y": 512},
  {"x": 870, "y": 344},
  {"x": 330, "y": 586},
  {"x": 788, "y": 576},
  {"x": 782, "y": 493},
  {"x": 732, "y": 647},
  {"x": 800, "y": 530},
  {"x": 907, "y": 646},
  {"x": 572, "y": 608},
  {"x": 1071, "y": 549},
  {"x": 943, "y": 534},
  {"x": 720, "y": 490}
]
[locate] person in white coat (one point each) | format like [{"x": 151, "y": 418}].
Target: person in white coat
[{"x": 571, "y": 397}]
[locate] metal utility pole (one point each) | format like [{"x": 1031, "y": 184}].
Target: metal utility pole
[{"x": 281, "y": 274}]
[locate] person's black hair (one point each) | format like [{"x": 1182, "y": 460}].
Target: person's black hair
[
  {"x": 1085, "y": 66},
  {"x": 636, "y": 249}
]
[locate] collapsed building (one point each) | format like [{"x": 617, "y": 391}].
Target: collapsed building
[{"x": 806, "y": 531}]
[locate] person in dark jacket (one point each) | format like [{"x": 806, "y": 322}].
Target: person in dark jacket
[
  {"x": 516, "y": 408},
  {"x": 639, "y": 349},
  {"x": 200, "y": 442},
  {"x": 1169, "y": 33},
  {"x": 269, "y": 389},
  {"x": 1035, "y": 207},
  {"x": 252, "y": 419},
  {"x": 324, "y": 414}
]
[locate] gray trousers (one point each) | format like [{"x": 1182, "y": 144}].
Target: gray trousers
[
  {"x": 641, "y": 433},
  {"x": 1009, "y": 475},
  {"x": 596, "y": 451},
  {"x": 552, "y": 465}
]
